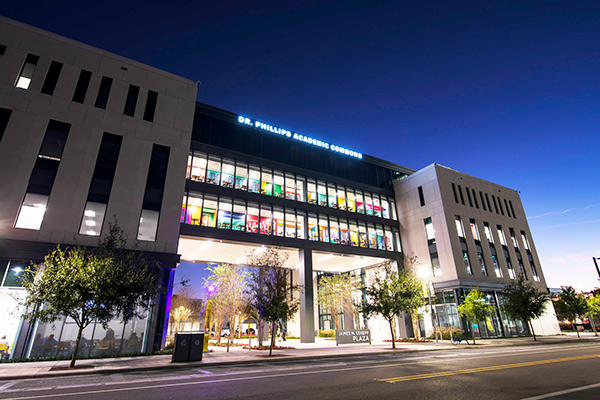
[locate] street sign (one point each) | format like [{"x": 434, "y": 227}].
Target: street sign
[{"x": 346, "y": 336}]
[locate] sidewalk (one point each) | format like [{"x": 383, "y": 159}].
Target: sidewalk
[{"x": 237, "y": 355}]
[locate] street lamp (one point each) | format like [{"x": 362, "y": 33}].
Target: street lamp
[
  {"x": 596, "y": 264},
  {"x": 425, "y": 274},
  {"x": 210, "y": 290}
]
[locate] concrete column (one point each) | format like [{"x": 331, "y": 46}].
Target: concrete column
[{"x": 307, "y": 301}]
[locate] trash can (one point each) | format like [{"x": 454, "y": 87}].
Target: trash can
[
  {"x": 196, "y": 346},
  {"x": 181, "y": 347}
]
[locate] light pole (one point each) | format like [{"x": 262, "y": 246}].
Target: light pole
[
  {"x": 210, "y": 289},
  {"x": 424, "y": 272},
  {"x": 596, "y": 264}
]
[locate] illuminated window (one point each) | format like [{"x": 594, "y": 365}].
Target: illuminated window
[
  {"x": 93, "y": 218},
  {"x": 239, "y": 216},
  {"x": 301, "y": 227},
  {"x": 341, "y": 196},
  {"x": 459, "y": 229},
  {"x": 385, "y": 207},
  {"x": 300, "y": 188},
  {"x": 372, "y": 236},
  {"x": 32, "y": 211},
  {"x": 290, "y": 223},
  {"x": 380, "y": 237},
  {"x": 344, "y": 234},
  {"x": 353, "y": 233},
  {"x": 213, "y": 174},
  {"x": 241, "y": 176},
  {"x": 278, "y": 221},
  {"x": 290, "y": 187},
  {"x": 474, "y": 230},
  {"x": 209, "y": 211},
  {"x": 224, "y": 214},
  {"x": 278, "y": 184},
  {"x": 27, "y": 70},
  {"x": 313, "y": 227},
  {"x": 351, "y": 200},
  {"x": 227, "y": 173},
  {"x": 197, "y": 167},
  {"x": 266, "y": 227},
  {"x": 362, "y": 234},
  {"x": 429, "y": 231},
  {"x": 322, "y": 193},
  {"x": 266, "y": 182},
  {"x": 334, "y": 231},
  {"x": 323, "y": 228},
  {"x": 252, "y": 218},
  {"x": 311, "y": 189},
  {"x": 368, "y": 204},
  {"x": 376, "y": 206},
  {"x": 331, "y": 196},
  {"x": 254, "y": 179},
  {"x": 193, "y": 215},
  {"x": 148, "y": 225}
]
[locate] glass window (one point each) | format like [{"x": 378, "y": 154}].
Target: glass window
[
  {"x": 131, "y": 101},
  {"x": 93, "y": 217},
  {"x": 241, "y": 176},
  {"x": 353, "y": 233},
  {"x": 323, "y": 228},
  {"x": 227, "y": 173},
  {"x": 300, "y": 226},
  {"x": 385, "y": 207},
  {"x": 398, "y": 243},
  {"x": 341, "y": 196},
  {"x": 351, "y": 200},
  {"x": 360, "y": 203},
  {"x": 474, "y": 230},
  {"x": 198, "y": 167},
  {"x": 266, "y": 183},
  {"x": 525, "y": 242},
  {"x": 488, "y": 233},
  {"x": 368, "y": 204},
  {"x": 290, "y": 223},
  {"x": 459, "y": 229},
  {"x": 334, "y": 231},
  {"x": 239, "y": 216},
  {"x": 103, "y": 92},
  {"x": 224, "y": 215},
  {"x": 513, "y": 238},
  {"x": 362, "y": 234},
  {"x": 393, "y": 208},
  {"x": 32, "y": 211},
  {"x": 183, "y": 209},
  {"x": 14, "y": 274},
  {"x": 380, "y": 237},
  {"x": 467, "y": 262},
  {"x": 322, "y": 195},
  {"x": 497, "y": 268},
  {"x": 501, "y": 235},
  {"x": 252, "y": 218},
  {"x": 290, "y": 187},
  {"x": 214, "y": 170},
  {"x": 278, "y": 184},
  {"x": 83, "y": 82},
  {"x": 313, "y": 227},
  {"x": 331, "y": 196},
  {"x": 254, "y": 179},
  {"x": 429, "y": 231},
  {"x": 193, "y": 215},
  {"x": 300, "y": 188},
  {"x": 482, "y": 264},
  {"x": 278, "y": 221},
  {"x": 209, "y": 211},
  {"x": 266, "y": 227},
  {"x": 311, "y": 188},
  {"x": 150, "y": 108},
  {"x": 376, "y": 206},
  {"x": 52, "y": 78},
  {"x": 372, "y": 236},
  {"x": 435, "y": 264},
  {"x": 344, "y": 234},
  {"x": 27, "y": 70},
  {"x": 148, "y": 225},
  {"x": 389, "y": 243}
]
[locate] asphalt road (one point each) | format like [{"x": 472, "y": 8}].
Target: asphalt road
[{"x": 527, "y": 372}]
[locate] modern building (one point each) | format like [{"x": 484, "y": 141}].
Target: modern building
[{"x": 87, "y": 136}]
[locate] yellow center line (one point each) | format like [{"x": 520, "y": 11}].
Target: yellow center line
[{"x": 483, "y": 369}]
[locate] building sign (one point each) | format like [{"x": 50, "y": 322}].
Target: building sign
[
  {"x": 345, "y": 336},
  {"x": 296, "y": 136}
]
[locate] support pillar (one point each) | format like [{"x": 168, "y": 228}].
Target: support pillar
[{"x": 307, "y": 301}]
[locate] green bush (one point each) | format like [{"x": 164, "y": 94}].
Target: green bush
[
  {"x": 328, "y": 333},
  {"x": 446, "y": 332}
]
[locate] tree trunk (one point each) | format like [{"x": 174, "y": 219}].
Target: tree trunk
[
  {"x": 576, "y": 330},
  {"x": 393, "y": 333},
  {"x": 532, "y": 332},
  {"x": 273, "y": 334},
  {"x": 74, "y": 356}
]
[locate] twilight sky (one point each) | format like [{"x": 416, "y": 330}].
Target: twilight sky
[{"x": 508, "y": 91}]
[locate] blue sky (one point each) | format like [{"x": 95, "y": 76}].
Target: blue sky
[{"x": 508, "y": 91}]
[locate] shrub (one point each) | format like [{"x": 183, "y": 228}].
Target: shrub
[
  {"x": 446, "y": 332},
  {"x": 328, "y": 333}
]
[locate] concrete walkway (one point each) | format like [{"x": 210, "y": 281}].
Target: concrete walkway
[{"x": 237, "y": 355}]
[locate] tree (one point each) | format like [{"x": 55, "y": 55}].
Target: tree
[
  {"x": 185, "y": 306},
  {"x": 270, "y": 288},
  {"x": 594, "y": 309},
  {"x": 571, "y": 305},
  {"x": 475, "y": 308},
  {"x": 523, "y": 301},
  {"x": 229, "y": 297},
  {"x": 335, "y": 292},
  {"x": 392, "y": 292},
  {"x": 92, "y": 284}
]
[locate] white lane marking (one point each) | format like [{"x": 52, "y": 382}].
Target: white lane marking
[
  {"x": 7, "y": 385},
  {"x": 205, "y": 372},
  {"x": 561, "y": 392},
  {"x": 408, "y": 361}
]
